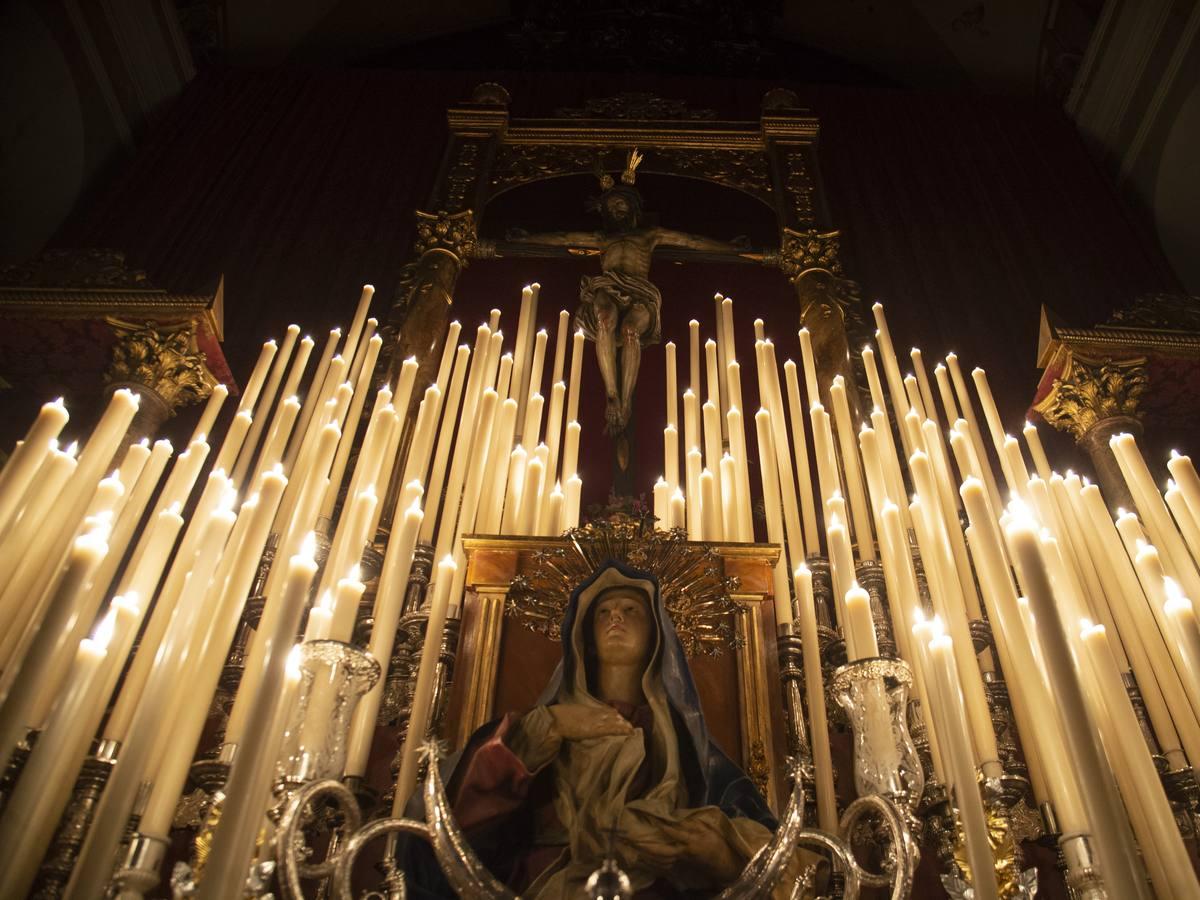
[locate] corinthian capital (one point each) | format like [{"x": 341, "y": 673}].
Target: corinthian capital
[
  {"x": 800, "y": 251},
  {"x": 162, "y": 359},
  {"x": 452, "y": 232},
  {"x": 1090, "y": 391}
]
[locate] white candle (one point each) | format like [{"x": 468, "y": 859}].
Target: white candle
[
  {"x": 422, "y": 701},
  {"x": 854, "y": 482},
  {"x": 534, "y": 476},
  {"x": 722, "y": 373},
  {"x": 691, "y": 420},
  {"x": 48, "y": 777},
  {"x": 859, "y": 626},
  {"x": 1036, "y": 451},
  {"x": 534, "y": 385},
  {"x": 531, "y": 435},
  {"x": 1110, "y": 830},
  {"x": 737, "y": 446},
  {"x": 672, "y": 387},
  {"x": 729, "y": 511},
  {"x": 713, "y": 451},
  {"x": 661, "y": 499},
  {"x": 28, "y": 456},
  {"x": 389, "y": 602},
  {"x": 258, "y": 376},
  {"x": 693, "y": 358},
  {"x": 520, "y": 372},
  {"x": 810, "y": 367},
  {"x": 956, "y": 741},
  {"x": 558, "y": 394},
  {"x": 678, "y": 510},
  {"x": 498, "y": 455},
  {"x": 774, "y": 514},
  {"x": 560, "y": 346},
  {"x": 576, "y": 375},
  {"x": 671, "y": 457},
  {"x": 695, "y": 508},
  {"x": 570, "y": 466},
  {"x": 571, "y": 502},
  {"x": 261, "y": 409},
  {"x": 1150, "y": 812},
  {"x": 803, "y": 473},
  {"x": 437, "y": 474},
  {"x": 711, "y": 529},
  {"x": 510, "y": 520},
  {"x": 313, "y": 397},
  {"x": 354, "y": 335},
  {"x": 1184, "y": 473}
]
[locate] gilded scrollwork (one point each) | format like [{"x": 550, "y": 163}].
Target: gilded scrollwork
[
  {"x": 798, "y": 185},
  {"x": 635, "y": 105},
  {"x": 1165, "y": 312},
  {"x": 694, "y": 588},
  {"x": 1091, "y": 390},
  {"x": 517, "y": 164},
  {"x": 744, "y": 170},
  {"x": 164, "y": 360},
  {"x": 92, "y": 267}
]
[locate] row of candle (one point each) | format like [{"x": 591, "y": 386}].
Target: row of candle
[
  {"x": 278, "y": 471},
  {"x": 1098, "y": 572}
]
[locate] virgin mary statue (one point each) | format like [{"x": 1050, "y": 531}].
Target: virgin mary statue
[{"x": 613, "y": 762}]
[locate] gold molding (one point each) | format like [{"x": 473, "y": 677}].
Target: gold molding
[
  {"x": 1057, "y": 341},
  {"x": 1089, "y": 391},
  {"x": 480, "y": 695},
  {"x": 755, "y": 719},
  {"x": 162, "y": 358}
]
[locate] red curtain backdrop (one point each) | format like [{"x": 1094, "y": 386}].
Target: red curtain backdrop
[{"x": 964, "y": 214}]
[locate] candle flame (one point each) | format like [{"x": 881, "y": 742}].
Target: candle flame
[
  {"x": 1176, "y": 601},
  {"x": 72, "y": 449},
  {"x": 308, "y": 547},
  {"x": 104, "y": 631},
  {"x": 293, "y": 662},
  {"x": 355, "y": 573}
]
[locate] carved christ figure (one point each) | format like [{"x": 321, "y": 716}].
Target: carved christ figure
[{"x": 620, "y": 309}]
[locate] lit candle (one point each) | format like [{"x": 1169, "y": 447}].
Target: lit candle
[
  {"x": 48, "y": 776},
  {"x": 812, "y": 544},
  {"x": 423, "y": 433},
  {"x": 510, "y": 519},
  {"x": 1027, "y": 688},
  {"x": 729, "y": 524},
  {"x": 891, "y": 370},
  {"x": 350, "y": 428},
  {"x": 827, "y": 477},
  {"x": 571, "y": 502},
  {"x": 722, "y": 356},
  {"x": 560, "y": 346},
  {"x": 1155, "y": 514},
  {"x": 827, "y": 813},
  {"x": 923, "y": 383},
  {"x": 712, "y": 457},
  {"x": 774, "y": 514},
  {"x": 693, "y": 359},
  {"x": 422, "y": 701},
  {"x": 357, "y": 324},
  {"x": 1184, "y": 473},
  {"x": 1183, "y": 517},
  {"x": 498, "y": 456},
  {"x": 437, "y": 474},
  {"x": 535, "y": 473},
  {"x": 28, "y": 456},
  {"x": 1150, "y": 812},
  {"x": 257, "y": 377},
  {"x": 576, "y": 375},
  {"x": 695, "y": 514},
  {"x": 389, "y": 602},
  {"x": 737, "y": 445},
  {"x": 671, "y": 457},
  {"x": 570, "y": 466},
  {"x": 533, "y": 420},
  {"x": 810, "y": 367},
  {"x": 235, "y": 436},
  {"x": 33, "y": 657},
  {"x": 946, "y": 392},
  {"x": 769, "y": 385},
  {"x": 952, "y": 721},
  {"x": 520, "y": 371},
  {"x": 858, "y": 624},
  {"x": 691, "y": 420},
  {"x": 552, "y": 520},
  {"x": 1184, "y": 638},
  {"x": 261, "y": 408},
  {"x": 711, "y": 507},
  {"x": 711, "y": 370},
  {"x": 973, "y": 432},
  {"x": 558, "y": 395},
  {"x": 313, "y": 397},
  {"x": 249, "y": 783},
  {"x": 535, "y": 366},
  {"x": 672, "y": 387},
  {"x": 859, "y": 518},
  {"x": 661, "y": 499},
  {"x": 678, "y": 509},
  {"x": 1109, "y": 828}
]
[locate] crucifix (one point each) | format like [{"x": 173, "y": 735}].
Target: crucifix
[{"x": 621, "y": 309}]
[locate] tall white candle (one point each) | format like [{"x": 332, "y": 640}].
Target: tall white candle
[
  {"x": 441, "y": 457},
  {"x": 422, "y": 702},
  {"x": 804, "y": 483},
  {"x": 695, "y": 508},
  {"x": 672, "y": 386},
  {"x": 571, "y": 501},
  {"x": 694, "y": 357},
  {"x": 576, "y": 375},
  {"x": 258, "y": 376},
  {"x": 774, "y": 514},
  {"x": 510, "y": 521},
  {"x": 846, "y": 436},
  {"x": 560, "y": 346},
  {"x": 25, "y": 460}
]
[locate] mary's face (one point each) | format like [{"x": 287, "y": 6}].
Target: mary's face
[{"x": 622, "y": 629}]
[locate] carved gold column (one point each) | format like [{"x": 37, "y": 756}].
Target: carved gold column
[
  {"x": 1093, "y": 399},
  {"x": 828, "y": 303},
  {"x": 162, "y": 363},
  {"x": 421, "y": 311}
]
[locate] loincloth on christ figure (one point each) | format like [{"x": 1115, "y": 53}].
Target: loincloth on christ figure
[{"x": 626, "y": 292}]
